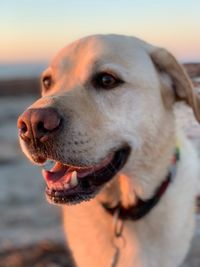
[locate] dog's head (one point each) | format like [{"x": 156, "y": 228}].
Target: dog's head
[{"x": 106, "y": 107}]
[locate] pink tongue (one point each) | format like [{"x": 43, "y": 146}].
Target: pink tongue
[
  {"x": 59, "y": 173},
  {"x": 57, "y": 180}
]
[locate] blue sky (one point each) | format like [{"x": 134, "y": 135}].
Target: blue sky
[{"x": 33, "y": 30}]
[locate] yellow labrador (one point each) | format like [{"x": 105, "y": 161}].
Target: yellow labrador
[{"x": 105, "y": 131}]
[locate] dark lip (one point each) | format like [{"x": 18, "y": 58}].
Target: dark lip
[{"x": 89, "y": 186}]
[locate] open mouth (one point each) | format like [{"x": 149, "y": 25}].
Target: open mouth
[{"x": 67, "y": 184}]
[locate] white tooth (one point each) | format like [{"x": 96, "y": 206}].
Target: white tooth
[
  {"x": 49, "y": 164},
  {"x": 74, "y": 180}
]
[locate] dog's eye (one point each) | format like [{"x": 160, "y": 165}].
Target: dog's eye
[
  {"x": 106, "y": 81},
  {"x": 47, "y": 82}
]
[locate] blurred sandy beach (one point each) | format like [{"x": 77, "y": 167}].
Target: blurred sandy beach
[{"x": 26, "y": 217}]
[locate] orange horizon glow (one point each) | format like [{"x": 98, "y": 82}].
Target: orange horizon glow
[{"x": 183, "y": 50}]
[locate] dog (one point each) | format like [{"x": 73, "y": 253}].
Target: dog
[{"x": 105, "y": 133}]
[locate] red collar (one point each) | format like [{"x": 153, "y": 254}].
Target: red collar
[{"x": 143, "y": 207}]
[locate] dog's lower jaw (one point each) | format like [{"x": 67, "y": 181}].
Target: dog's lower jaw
[{"x": 160, "y": 239}]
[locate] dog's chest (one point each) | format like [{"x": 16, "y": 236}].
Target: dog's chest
[
  {"x": 90, "y": 235},
  {"x": 89, "y": 232}
]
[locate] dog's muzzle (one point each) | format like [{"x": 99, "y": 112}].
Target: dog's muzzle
[{"x": 66, "y": 182}]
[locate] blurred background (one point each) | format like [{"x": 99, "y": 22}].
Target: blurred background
[{"x": 31, "y": 32}]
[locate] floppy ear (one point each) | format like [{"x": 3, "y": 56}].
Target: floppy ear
[{"x": 179, "y": 80}]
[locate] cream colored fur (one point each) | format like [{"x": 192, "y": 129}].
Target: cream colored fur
[
  {"x": 160, "y": 239},
  {"x": 140, "y": 113}
]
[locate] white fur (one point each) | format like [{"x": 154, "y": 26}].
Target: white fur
[{"x": 160, "y": 239}]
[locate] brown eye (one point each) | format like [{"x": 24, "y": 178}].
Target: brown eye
[
  {"x": 47, "y": 82},
  {"x": 106, "y": 81}
]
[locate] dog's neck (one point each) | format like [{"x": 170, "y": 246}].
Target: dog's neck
[
  {"x": 88, "y": 222},
  {"x": 143, "y": 207},
  {"x": 127, "y": 187}
]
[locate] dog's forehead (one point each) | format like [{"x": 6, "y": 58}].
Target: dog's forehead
[{"x": 102, "y": 49}]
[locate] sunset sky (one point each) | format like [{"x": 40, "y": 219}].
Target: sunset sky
[{"x": 33, "y": 30}]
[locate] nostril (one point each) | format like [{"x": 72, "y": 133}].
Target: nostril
[
  {"x": 53, "y": 123},
  {"x": 23, "y": 128},
  {"x": 41, "y": 128},
  {"x": 45, "y": 127}
]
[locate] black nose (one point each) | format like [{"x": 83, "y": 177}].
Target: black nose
[{"x": 38, "y": 124}]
